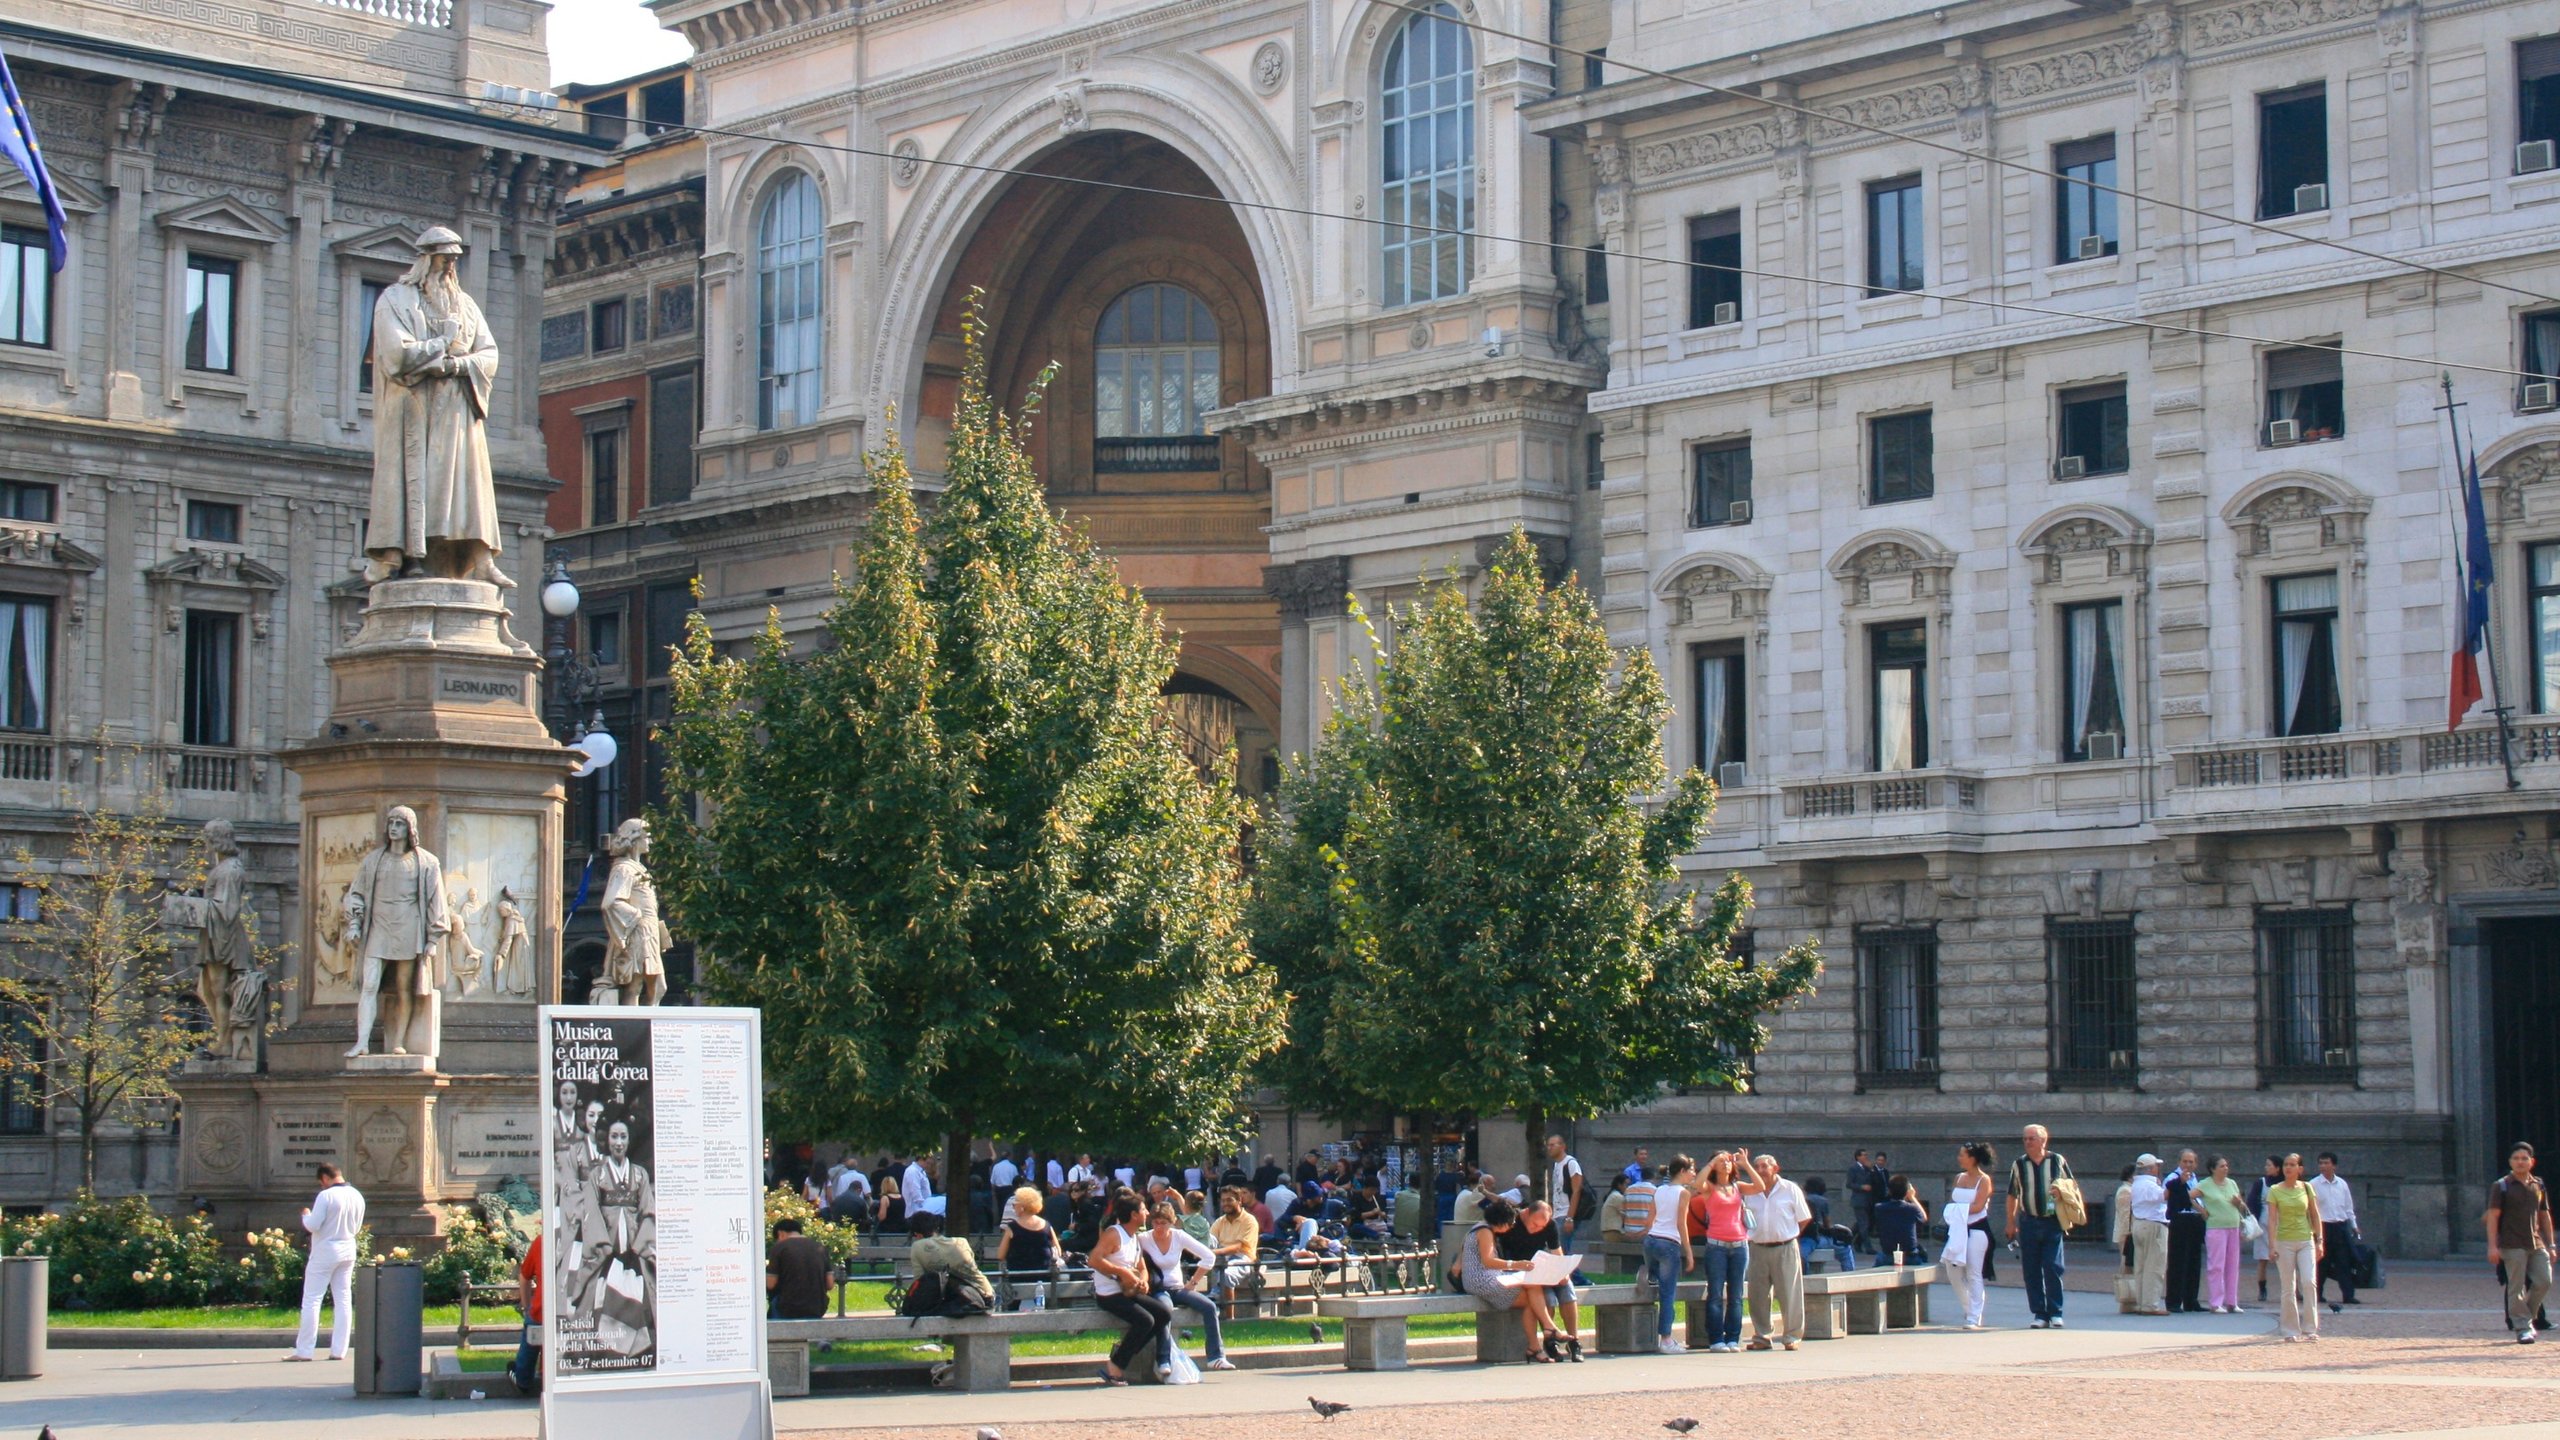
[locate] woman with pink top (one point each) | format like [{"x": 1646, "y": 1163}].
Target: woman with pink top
[{"x": 1715, "y": 1213}]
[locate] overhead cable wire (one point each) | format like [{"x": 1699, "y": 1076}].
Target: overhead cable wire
[
  {"x": 1274, "y": 207},
  {"x": 1443, "y": 13}
]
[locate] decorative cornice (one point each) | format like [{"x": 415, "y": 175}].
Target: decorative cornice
[{"x": 1310, "y": 589}]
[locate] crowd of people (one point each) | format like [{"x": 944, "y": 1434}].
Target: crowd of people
[{"x": 1156, "y": 1238}]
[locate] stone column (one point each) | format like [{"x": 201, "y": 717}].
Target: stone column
[{"x": 1310, "y": 590}]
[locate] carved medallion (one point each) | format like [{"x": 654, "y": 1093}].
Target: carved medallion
[{"x": 1270, "y": 67}]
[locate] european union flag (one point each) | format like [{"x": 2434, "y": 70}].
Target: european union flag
[{"x": 18, "y": 142}]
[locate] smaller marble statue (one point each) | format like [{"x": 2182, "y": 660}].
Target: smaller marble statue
[
  {"x": 396, "y": 924},
  {"x": 248, "y": 1018},
  {"x": 636, "y": 940},
  {"x": 463, "y": 961},
  {"x": 222, "y": 935},
  {"x": 511, "y": 949}
]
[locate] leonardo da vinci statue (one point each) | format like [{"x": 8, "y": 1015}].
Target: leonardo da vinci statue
[{"x": 435, "y": 507}]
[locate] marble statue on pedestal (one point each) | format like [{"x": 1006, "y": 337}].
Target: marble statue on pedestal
[
  {"x": 396, "y": 924},
  {"x": 435, "y": 504},
  {"x": 248, "y": 1017},
  {"x": 511, "y": 949},
  {"x": 636, "y": 940},
  {"x": 222, "y": 934}
]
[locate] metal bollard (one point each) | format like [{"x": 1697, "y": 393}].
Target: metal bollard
[
  {"x": 25, "y": 1307},
  {"x": 390, "y": 1303}
]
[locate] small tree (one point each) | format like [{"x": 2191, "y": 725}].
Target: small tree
[
  {"x": 956, "y": 854},
  {"x": 94, "y": 984},
  {"x": 1472, "y": 899}
]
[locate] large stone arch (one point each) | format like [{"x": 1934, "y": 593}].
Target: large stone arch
[{"x": 1198, "y": 120}]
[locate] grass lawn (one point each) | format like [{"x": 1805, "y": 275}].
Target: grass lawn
[
  {"x": 476, "y": 1361},
  {"x": 1240, "y": 1335},
  {"x": 253, "y": 1317}
]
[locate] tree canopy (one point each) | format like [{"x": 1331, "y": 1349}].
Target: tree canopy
[
  {"x": 954, "y": 852},
  {"x": 1471, "y": 895}
]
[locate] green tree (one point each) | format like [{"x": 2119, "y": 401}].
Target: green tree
[
  {"x": 98, "y": 998},
  {"x": 1472, "y": 898},
  {"x": 955, "y": 853}
]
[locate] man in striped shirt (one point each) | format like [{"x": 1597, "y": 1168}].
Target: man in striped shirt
[{"x": 2035, "y": 1224}]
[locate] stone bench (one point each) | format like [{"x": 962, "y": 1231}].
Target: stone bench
[
  {"x": 981, "y": 1345},
  {"x": 1868, "y": 1302},
  {"x": 1375, "y": 1328}
]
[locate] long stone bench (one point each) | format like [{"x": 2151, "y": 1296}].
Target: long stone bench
[
  {"x": 1376, "y": 1328},
  {"x": 1868, "y": 1302},
  {"x": 981, "y": 1345}
]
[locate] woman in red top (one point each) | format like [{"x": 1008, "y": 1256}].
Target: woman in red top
[
  {"x": 526, "y": 1369},
  {"x": 1715, "y": 1215}
]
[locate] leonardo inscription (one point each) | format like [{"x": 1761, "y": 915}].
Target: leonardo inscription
[{"x": 481, "y": 688}]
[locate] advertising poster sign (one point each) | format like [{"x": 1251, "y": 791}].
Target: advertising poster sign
[{"x": 653, "y": 1218}]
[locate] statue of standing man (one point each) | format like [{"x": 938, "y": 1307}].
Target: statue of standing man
[
  {"x": 222, "y": 941},
  {"x": 396, "y": 924},
  {"x": 635, "y": 939},
  {"x": 435, "y": 506}
]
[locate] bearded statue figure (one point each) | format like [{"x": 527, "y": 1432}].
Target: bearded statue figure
[{"x": 435, "y": 505}]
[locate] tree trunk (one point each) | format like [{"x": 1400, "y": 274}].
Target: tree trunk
[
  {"x": 1533, "y": 1122},
  {"x": 88, "y": 1153},
  {"x": 955, "y": 1178}
]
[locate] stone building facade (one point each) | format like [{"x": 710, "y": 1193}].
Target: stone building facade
[
  {"x": 2081, "y": 685},
  {"x": 187, "y": 441}
]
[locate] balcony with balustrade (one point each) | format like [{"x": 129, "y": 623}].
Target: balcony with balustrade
[
  {"x": 1879, "y": 813},
  {"x": 2365, "y": 776},
  {"x": 47, "y": 772}
]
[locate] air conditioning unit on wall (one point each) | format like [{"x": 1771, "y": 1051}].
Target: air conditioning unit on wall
[
  {"x": 2284, "y": 432},
  {"x": 1738, "y": 513},
  {"x": 2071, "y": 467},
  {"x": 2307, "y": 198},
  {"x": 1732, "y": 773},
  {"x": 2540, "y": 395},
  {"x": 1727, "y": 313},
  {"x": 2093, "y": 247},
  {"x": 2534, "y": 156},
  {"x": 2106, "y": 745}
]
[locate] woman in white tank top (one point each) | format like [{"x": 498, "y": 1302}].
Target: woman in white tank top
[{"x": 1968, "y": 1217}]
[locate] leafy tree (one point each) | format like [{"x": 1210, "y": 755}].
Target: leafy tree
[
  {"x": 1472, "y": 898},
  {"x": 955, "y": 853},
  {"x": 100, "y": 998}
]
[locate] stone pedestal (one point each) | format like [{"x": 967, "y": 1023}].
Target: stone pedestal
[{"x": 435, "y": 708}]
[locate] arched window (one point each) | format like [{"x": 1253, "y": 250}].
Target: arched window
[
  {"x": 788, "y": 296},
  {"x": 1155, "y": 373},
  {"x": 1428, "y": 134}
]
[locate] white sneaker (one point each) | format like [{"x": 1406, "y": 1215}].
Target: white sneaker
[
  {"x": 1672, "y": 1347},
  {"x": 2525, "y": 1336},
  {"x": 2054, "y": 1324},
  {"x": 1221, "y": 1363}
]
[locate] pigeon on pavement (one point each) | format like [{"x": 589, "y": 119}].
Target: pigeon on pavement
[
  {"x": 1327, "y": 1409},
  {"x": 1680, "y": 1425},
  {"x": 989, "y": 1432}
]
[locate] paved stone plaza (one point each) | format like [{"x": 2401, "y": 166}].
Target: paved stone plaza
[{"x": 2422, "y": 1357}]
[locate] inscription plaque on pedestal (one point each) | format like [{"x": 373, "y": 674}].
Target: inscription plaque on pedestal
[
  {"x": 297, "y": 1140},
  {"x": 485, "y": 1144}
]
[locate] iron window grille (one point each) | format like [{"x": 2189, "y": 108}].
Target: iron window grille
[
  {"x": 2094, "y": 1006},
  {"x": 1898, "y": 1008},
  {"x": 2306, "y": 996}
]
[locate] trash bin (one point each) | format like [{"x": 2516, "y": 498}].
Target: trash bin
[
  {"x": 25, "y": 1306},
  {"x": 391, "y": 1303}
]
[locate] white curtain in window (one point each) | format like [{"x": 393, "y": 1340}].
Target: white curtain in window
[
  {"x": 2293, "y": 651},
  {"x": 2084, "y": 672},
  {"x": 1894, "y": 699},
  {"x": 789, "y": 299},
  {"x": 1712, "y": 701},
  {"x": 26, "y": 628}
]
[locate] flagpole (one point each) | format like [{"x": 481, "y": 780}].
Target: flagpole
[{"x": 2464, "y": 471}]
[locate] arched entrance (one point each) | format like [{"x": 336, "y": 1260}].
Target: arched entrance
[{"x": 1151, "y": 307}]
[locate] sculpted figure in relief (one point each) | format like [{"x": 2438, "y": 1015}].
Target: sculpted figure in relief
[
  {"x": 636, "y": 939},
  {"x": 222, "y": 934},
  {"x": 396, "y": 923},
  {"x": 435, "y": 505}
]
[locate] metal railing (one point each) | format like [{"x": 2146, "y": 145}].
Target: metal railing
[{"x": 1143, "y": 454}]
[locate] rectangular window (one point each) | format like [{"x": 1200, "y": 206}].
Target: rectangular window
[
  {"x": 2541, "y": 355},
  {"x": 1722, "y": 707},
  {"x": 2305, "y": 610},
  {"x": 1901, "y": 458},
  {"x": 1720, "y": 485},
  {"x": 213, "y": 292},
  {"x": 212, "y": 678},
  {"x": 2306, "y": 995},
  {"x": 26, "y": 662},
  {"x": 1595, "y": 276},
  {"x": 668, "y": 607},
  {"x": 19, "y": 902},
  {"x": 2538, "y": 91},
  {"x": 2306, "y": 394},
  {"x": 26, "y": 287},
  {"x": 2092, "y": 439},
  {"x": 2293, "y": 152},
  {"x": 609, "y": 117},
  {"x": 608, "y": 326},
  {"x": 213, "y": 520},
  {"x": 29, "y": 500},
  {"x": 1594, "y": 469},
  {"x": 604, "y": 476},
  {"x": 673, "y": 422},
  {"x": 1894, "y": 242},
  {"x": 662, "y": 106},
  {"x": 604, "y": 639},
  {"x": 22, "y": 1109},
  {"x": 2094, "y": 1032},
  {"x": 1898, "y": 695},
  {"x": 2084, "y": 225},
  {"x": 1715, "y": 269},
  {"x": 2542, "y": 577},
  {"x": 2092, "y": 681},
  {"x": 1897, "y": 1007},
  {"x": 368, "y": 295}
]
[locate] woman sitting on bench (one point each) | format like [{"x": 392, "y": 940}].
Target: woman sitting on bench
[{"x": 1480, "y": 1270}]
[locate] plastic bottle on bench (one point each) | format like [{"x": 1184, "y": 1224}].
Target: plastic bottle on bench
[{"x": 1040, "y": 1296}]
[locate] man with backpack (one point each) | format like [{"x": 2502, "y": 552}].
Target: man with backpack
[
  {"x": 2521, "y": 1239},
  {"x": 948, "y": 1280}
]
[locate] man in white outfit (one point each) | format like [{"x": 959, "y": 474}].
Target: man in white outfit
[{"x": 333, "y": 1217}]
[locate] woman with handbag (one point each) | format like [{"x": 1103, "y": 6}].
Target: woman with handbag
[
  {"x": 1166, "y": 1245},
  {"x": 1968, "y": 1216},
  {"x": 2293, "y": 1226},
  {"x": 2226, "y": 1224}
]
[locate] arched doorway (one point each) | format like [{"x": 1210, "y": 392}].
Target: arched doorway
[{"x": 1152, "y": 308}]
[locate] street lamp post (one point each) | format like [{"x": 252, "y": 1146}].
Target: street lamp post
[{"x": 575, "y": 682}]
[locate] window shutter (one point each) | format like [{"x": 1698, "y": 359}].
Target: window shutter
[{"x": 2302, "y": 365}]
